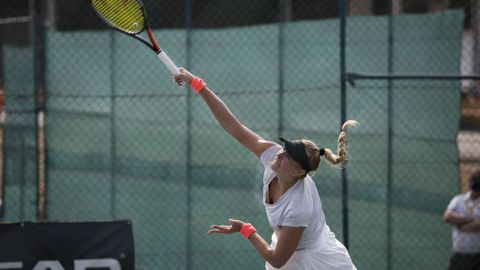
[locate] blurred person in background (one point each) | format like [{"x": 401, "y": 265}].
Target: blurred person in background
[
  {"x": 463, "y": 212},
  {"x": 301, "y": 238}
]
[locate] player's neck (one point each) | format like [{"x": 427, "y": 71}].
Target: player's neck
[{"x": 286, "y": 184}]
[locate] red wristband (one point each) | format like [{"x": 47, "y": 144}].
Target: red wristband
[
  {"x": 247, "y": 230},
  {"x": 197, "y": 84}
]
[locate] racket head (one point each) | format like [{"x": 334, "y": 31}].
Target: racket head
[{"x": 127, "y": 16}]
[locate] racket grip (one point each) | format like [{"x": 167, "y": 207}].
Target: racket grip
[{"x": 168, "y": 63}]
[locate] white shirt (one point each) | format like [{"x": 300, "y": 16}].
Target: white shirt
[
  {"x": 301, "y": 206},
  {"x": 465, "y": 242}
]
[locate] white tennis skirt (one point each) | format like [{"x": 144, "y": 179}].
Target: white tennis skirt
[{"x": 329, "y": 254}]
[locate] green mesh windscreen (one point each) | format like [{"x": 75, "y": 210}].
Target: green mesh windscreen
[{"x": 125, "y": 142}]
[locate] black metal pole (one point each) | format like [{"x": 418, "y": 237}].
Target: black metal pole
[
  {"x": 352, "y": 77},
  {"x": 390, "y": 136},
  {"x": 188, "y": 154},
  {"x": 113, "y": 127},
  {"x": 475, "y": 10},
  {"x": 281, "y": 19},
  {"x": 2, "y": 134},
  {"x": 22, "y": 170},
  {"x": 343, "y": 109},
  {"x": 37, "y": 30}
]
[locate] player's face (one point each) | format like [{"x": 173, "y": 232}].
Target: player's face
[{"x": 284, "y": 164}]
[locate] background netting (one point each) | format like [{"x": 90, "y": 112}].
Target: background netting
[{"x": 124, "y": 142}]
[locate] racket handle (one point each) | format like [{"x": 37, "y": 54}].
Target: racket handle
[{"x": 168, "y": 63}]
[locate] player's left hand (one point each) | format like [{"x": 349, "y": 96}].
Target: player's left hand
[{"x": 235, "y": 226}]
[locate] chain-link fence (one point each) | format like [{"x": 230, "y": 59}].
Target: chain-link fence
[{"x": 93, "y": 128}]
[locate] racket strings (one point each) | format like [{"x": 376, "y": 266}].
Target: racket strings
[{"x": 125, "y": 15}]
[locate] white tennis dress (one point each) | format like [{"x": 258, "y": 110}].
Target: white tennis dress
[{"x": 300, "y": 206}]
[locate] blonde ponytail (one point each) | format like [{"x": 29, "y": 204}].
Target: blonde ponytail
[{"x": 341, "y": 154}]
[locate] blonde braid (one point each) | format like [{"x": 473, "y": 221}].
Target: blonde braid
[{"x": 341, "y": 155}]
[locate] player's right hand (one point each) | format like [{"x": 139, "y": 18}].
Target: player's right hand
[{"x": 184, "y": 77}]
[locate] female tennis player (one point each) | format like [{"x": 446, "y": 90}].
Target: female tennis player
[{"x": 301, "y": 238}]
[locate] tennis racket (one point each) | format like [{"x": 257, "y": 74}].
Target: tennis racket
[{"x": 130, "y": 17}]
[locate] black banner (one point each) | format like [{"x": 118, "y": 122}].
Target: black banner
[{"x": 67, "y": 246}]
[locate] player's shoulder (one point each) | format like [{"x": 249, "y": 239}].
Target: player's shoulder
[{"x": 269, "y": 153}]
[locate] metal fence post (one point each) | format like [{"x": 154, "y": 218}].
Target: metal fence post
[
  {"x": 390, "y": 133},
  {"x": 343, "y": 110},
  {"x": 37, "y": 32},
  {"x": 113, "y": 145},
  {"x": 476, "y": 35},
  {"x": 188, "y": 161},
  {"x": 280, "y": 22}
]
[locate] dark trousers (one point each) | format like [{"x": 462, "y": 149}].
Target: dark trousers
[{"x": 462, "y": 261}]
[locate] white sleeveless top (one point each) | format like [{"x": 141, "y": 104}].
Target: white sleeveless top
[{"x": 301, "y": 206}]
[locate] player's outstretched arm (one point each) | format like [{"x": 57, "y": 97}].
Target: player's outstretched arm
[
  {"x": 252, "y": 141},
  {"x": 278, "y": 256}
]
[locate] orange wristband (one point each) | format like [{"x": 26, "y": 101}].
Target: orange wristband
[
  {"x": 197, "y": 84},
  {"x": 247, "y": 230}
]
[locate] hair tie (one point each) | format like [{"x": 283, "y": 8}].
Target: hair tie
[{"x": 322, "y": 151}]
